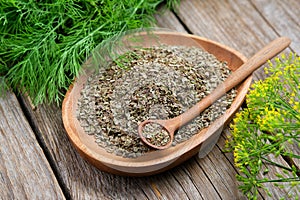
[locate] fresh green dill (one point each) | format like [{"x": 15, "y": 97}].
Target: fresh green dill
[
  {"x": 269, "y": 128},
  {"x": 44, "y": 43}
]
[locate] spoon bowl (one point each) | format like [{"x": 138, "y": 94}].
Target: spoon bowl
[{"x": 155, "y": 161}]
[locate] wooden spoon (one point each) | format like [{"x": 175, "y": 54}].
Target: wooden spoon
[{"x": 171, "y": 125}]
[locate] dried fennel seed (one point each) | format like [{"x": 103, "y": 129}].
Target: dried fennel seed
[
  {"x": 156, "y": 83},
  {"x": 156, "y": 134}
]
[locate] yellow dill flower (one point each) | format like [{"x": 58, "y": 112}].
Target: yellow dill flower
[
  {"x": 272, "y": 113},
  {"x": 293, "y": 94},
  {"x": 296, "y": 106}
]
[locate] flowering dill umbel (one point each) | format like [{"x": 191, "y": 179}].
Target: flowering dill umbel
[{"x": 269, "y": 130}]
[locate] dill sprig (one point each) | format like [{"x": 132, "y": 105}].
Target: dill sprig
[
  {"x": 44, "y": 43},
  {"x": 270, "y": 127}
]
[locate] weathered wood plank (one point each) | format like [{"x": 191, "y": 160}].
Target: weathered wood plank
[
  {"x": 167, "y": 19},
  {"x": 220, "y": 170},
  {"x": 24, "y": 170},
  {"x": 81, "y": 180},
  {"x": 283, "y": 16},
  {"x": 234, "y": 23}
]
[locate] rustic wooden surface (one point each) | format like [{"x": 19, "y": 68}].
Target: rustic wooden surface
[
  {"x": 25, "y": 172},
  {"x": 37, "y": 160}
]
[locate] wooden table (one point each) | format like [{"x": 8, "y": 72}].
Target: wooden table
[{"x": 37, "y": 160}]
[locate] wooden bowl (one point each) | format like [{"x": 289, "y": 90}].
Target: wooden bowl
[{"x": 156, "y": 161}]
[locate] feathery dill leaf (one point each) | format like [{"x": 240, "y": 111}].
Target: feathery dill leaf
[{"x": 44, "y": 43}]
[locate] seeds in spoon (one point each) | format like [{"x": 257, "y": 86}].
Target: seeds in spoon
[{"x": 156, "y": 134}]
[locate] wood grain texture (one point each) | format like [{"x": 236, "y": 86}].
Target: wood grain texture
[
  {"x": 166, "y": 19},
  {"x": 24, "y": 171},
  {"x": 284, "y": 17},
  {"x": 237, "y": 24}
]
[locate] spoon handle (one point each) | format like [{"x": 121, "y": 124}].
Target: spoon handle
[{"x": 265, "y": 54}]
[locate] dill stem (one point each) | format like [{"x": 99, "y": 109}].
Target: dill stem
[
  {"x": 52, "y": 31},
  {"x": 276, "y": 164}
]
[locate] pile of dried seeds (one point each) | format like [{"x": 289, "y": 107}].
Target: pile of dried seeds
[
  {"x": 154, "y": 83},
  {"x": 155, "y": 134}
]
